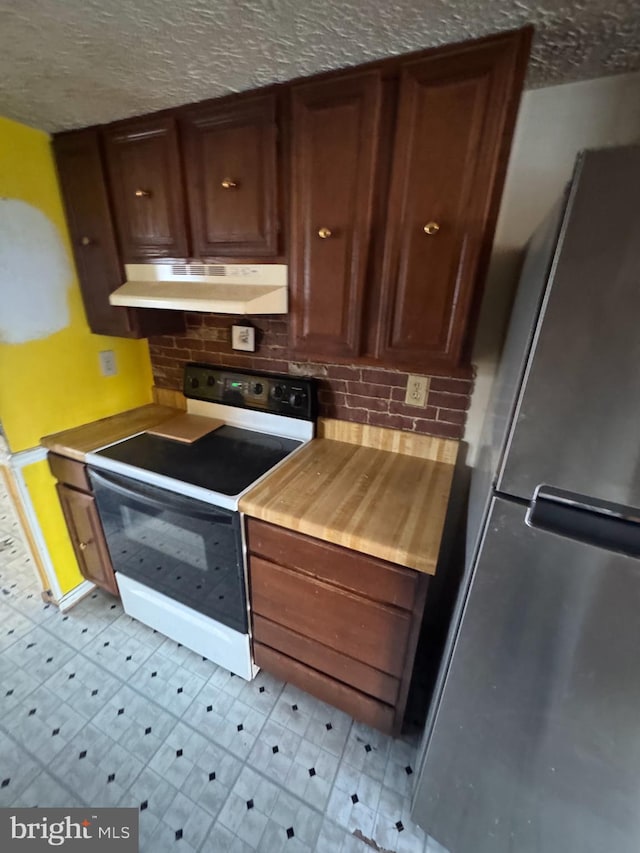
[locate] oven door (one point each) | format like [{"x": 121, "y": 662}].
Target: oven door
[{"x": 187, "y": 550}]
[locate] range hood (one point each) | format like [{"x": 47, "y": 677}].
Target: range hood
[{"x": 214, "y": 288}]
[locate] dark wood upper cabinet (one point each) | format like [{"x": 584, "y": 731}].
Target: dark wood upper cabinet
[
  {"x": 84, "y": 192},
  {"x": 449, "y": 144},
  {"x": 144, "y": 167},
  {"x": 83, "y": 185},
  {"x": 231, "y": 175},
  {"x": 392, "y": 219},
  {"x": 334, "y": 155}
]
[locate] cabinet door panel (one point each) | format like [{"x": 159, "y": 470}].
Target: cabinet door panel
[
  {"x": 449, "y": 136},
  {"x": 87, "y": 537},
  {"x": 82, "y": 182},
  {"x": 232, "y": 179},
  {"x": 334, "y": 146},
  {"x": 144, "y": 167}
]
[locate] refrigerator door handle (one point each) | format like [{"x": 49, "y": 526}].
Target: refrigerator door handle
[{"x": 586, "y": 519}]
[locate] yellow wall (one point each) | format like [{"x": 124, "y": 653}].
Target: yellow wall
[{"x": 54, "y": 383}]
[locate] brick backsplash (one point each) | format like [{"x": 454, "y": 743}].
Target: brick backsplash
[{"x": 370, "y": 395}]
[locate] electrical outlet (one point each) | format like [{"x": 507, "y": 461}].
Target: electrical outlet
[
  {"x": 417, "y": 387},
  {"x": 108, "y": 362}
]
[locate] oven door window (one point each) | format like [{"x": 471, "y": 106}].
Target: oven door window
[{"x": 184, "y": 548}]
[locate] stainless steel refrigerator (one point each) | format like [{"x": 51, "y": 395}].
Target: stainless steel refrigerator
[{"x": 533, "y": 737}]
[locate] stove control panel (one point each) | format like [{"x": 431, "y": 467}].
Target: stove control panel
[{"x": 278, "y": 394}]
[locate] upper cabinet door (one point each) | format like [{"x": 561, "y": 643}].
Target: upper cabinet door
[
  {"x": 335, "y": 127},
  {"x": 144, "y": 167},
  {"x": 231, "y": 172},
  {"x": 84, "y": 191},
  {"x": 452, "y": 135}
]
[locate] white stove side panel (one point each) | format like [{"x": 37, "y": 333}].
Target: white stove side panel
[{"x": 201, "y": 634}]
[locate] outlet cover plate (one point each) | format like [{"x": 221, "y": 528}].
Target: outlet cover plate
[
  {"x": 108, "y": 365},
  {"x": 417, "y": 388}
]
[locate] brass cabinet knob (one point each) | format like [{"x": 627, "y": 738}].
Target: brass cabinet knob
[
  {"x": 228, "y": 184},
  {"x": 86, "y": 241},
  {"x": 324, "y": 233},
  {"x": 142, "y": 194},
  {"x": 431, "y": 228},
  {"x": 83, "y": 546}
]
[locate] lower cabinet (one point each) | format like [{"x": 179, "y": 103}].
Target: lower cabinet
[
  {"x": 83, "y": 522},
  {"x": 337, "y": 623}
]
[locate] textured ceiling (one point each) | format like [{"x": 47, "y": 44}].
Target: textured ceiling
[{"x": 71, "y": 63}]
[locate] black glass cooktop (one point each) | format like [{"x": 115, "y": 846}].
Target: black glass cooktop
[{"x": 227, "y": 460}]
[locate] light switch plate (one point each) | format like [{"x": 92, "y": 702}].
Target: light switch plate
[
  {"x": 243, "y": 338},
  {"x": 417, "y": 387}
]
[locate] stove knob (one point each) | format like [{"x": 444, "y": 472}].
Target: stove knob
[
  {"x": 194, "y": 382},
  {"x": 278, "y": 392},
  {"x": 257, "y": 388},
  {"x": 296, "y": 399},
  {"x": 211, "y": 380}
]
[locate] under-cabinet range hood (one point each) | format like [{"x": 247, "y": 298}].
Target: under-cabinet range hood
[{"x": 213, "y": 288}]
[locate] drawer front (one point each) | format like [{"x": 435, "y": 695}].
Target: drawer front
[
  {"x": 370, "y": 632},
  {"x": 364, "y": 575},
  {"x": 69, "y": 471},
  {"x": 328, "y": 661},
  {"x": 356, "y": 704}
]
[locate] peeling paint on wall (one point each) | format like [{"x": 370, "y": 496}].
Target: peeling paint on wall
[{"x": 34, "y": 274}]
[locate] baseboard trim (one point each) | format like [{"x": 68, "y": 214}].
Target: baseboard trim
[{"x": 69, "y": 599}]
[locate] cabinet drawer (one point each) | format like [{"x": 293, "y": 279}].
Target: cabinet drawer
[
  {"x": 322, "y": 658},
  {"x": 353, "y": 702},
  {"x": 69, "y": 471},
  {"x": 365, "y": 575},
  {"x": 368, "y": 631}
]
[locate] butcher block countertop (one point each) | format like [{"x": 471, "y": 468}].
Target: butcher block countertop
[
  {"x": 378, "y": 491},
  {"x": 80, "y": 440}
]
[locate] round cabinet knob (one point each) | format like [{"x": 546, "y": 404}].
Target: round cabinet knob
[
  {"x": 324, "y": 233},
  {"x": 142, "y": 194},
  {"x": 86, "y": 241},
  {"x": 228, "y": 184},
  {"x": 431, "y": 228},
  {"x": 83, "y": 546}
]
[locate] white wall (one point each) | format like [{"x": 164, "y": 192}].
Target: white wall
[{"x": 553, "y": 125}]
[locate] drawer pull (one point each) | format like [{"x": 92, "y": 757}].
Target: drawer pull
[
  {"x": 324, "y": 233},
  {"x": 229, "y": 184},
  {"x": 431, "y": 228},
  {"x": 143, "y": 194},
  {"x": 83, "y": 546}
]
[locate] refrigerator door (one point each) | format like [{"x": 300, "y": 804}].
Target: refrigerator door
[
  {"x": 577, "y": 416},
  {"x": 536, "y": 742},
  {"x": 499, "y": 414}
]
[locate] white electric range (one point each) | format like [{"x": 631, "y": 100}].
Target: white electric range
[{"x": 170, "y": 510}]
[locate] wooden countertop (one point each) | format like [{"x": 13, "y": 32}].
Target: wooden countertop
[
  {"x": 378, "y": 491},
  {"x": 80, "y": 440}
]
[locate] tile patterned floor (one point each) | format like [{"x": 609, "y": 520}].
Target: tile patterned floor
[{"x": 97, "y": 709}]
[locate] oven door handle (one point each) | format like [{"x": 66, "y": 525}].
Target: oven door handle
[{"x": 170, "y": 500}]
